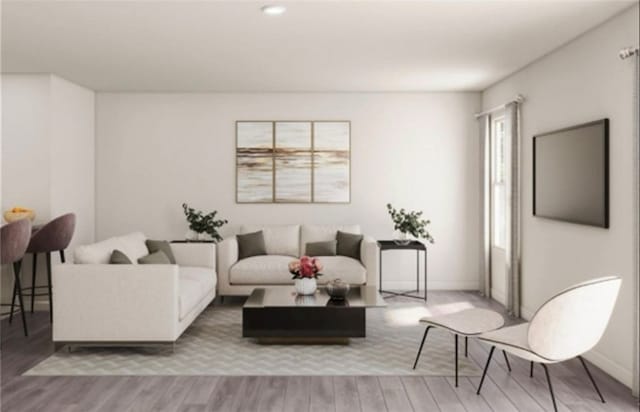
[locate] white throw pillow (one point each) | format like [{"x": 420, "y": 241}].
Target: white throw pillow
[
  {"x": 96, "y": 253},
  {"x": 133, "y": 245}
]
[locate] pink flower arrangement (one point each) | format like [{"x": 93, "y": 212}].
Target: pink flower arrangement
[{"x": 305, "y": 267}]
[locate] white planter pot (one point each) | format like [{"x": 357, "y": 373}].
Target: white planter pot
[{"x": 306, "y": 286}]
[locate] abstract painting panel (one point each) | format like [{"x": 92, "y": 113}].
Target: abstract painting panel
[
  {"x": 293, "y": 162},
  {"x": 331, "y": 162},
  {"x": 254, "y": 162}
]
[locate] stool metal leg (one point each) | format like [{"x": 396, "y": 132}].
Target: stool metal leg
[
  {"x": 33, "y": 280},
  {"x": 13, "y": 301},
  {"x": 466, "y": 346},
  {"x": 531, "y": 370},
  {"x": 18, "y": 288},
  {"x": 62, "y": 256},
  {"x": 486, "y": 368},
  {"x": 456, "y": 340},
  {"x": 424, "y": 337},
  {"x": 49, "y": 285},
  {"x": 506, "y": 360}
]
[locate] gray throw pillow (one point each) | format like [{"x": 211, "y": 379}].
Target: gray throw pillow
[
  {"x": 164, "y": 246},
  {"x": 348, "y": 244},
  {"x": 327, "y": 248},
  {"x": 156, "y": 258},
  {"x": 251, "y": 244},
  {"x": 119, "y": 258}
]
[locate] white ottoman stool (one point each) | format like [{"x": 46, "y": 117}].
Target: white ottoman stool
[{"x": 468, "y": 322}]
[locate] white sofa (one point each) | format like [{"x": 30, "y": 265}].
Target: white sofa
[
  {"x": 283, "y": 244},
  {"x": 97, "y": 302}
]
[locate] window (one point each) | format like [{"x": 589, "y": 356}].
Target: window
[{"x": 498, "y": 184}]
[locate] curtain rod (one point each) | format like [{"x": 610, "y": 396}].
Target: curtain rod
[{"x": 518, "y": 99}]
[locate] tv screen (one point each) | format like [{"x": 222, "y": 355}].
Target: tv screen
[{"x": 571, "y": 174}]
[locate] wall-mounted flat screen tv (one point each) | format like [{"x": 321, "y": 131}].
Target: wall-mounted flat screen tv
[{"x": 571, "y": 174}]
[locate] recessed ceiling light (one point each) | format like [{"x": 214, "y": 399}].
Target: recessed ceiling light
[{"x": 273, "y": 10}]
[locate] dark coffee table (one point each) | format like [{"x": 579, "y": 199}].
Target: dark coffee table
[{"x": 274, "y": 314}]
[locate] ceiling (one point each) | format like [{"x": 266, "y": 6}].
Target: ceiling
[{"x": 319, "y": 46}]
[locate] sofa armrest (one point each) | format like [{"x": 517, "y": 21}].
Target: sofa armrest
[
  {"x": 369, "y": 258},
  {"x": 195, "y": 254},
  {"x": 115, "y": 303},
  {"x": 227, "y": 257}
]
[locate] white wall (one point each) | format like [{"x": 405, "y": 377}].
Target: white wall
[
  {"x": 418, "y": 151},
  {"x": 48, "y": 139},
  {"x": 583, "y": 81},
  {"x": 72, "y": 186}
]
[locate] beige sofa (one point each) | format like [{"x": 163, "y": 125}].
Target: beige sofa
[
  {"x": 283, "y": 244},
  {"x": 96, "y": 302}
]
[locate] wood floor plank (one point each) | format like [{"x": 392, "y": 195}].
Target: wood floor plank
[
  {"x": 126, "y": 391},
  {"x": 297, "y": 394},
  {"x": 272, "y": 394},
  {"x": 395, "y": 396},
  {"x": 321, "y": 395},
  {"x": 346, "y": 394},
  {"x": 153, "y": 387},
  {"x": 173, "y": 397},
  {"x": 418, "y": 393},
  {"x": 466, "y": 392},
  {"x": 370, "y": 393},
  {"x": 198, "y": 396},
  {"x": 443, "y": 394},
  {"x": 248, "y": 401},
  {"x": 225, "y": 396}
]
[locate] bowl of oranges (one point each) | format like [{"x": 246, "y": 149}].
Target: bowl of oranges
[{"x": 18, "y": 213}]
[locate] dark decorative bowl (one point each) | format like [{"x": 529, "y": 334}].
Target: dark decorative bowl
[{"x": 337, "y": 289}]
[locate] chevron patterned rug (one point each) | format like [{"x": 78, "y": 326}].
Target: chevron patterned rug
[{"x": 213, "y": 346}]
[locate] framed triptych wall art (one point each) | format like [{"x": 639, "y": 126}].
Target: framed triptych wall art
[{"x": 293, "y": 162}]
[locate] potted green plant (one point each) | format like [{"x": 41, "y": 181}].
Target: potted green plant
[
  {"x": 203, "y": 226},
  {"x": 409, "y": 223}
]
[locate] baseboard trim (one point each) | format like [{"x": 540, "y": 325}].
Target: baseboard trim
[
  {"x": 616, "y": 371},
  {"x": 432, "y": 284}
]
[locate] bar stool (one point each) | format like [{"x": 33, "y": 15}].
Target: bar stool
[
  {"x": 55, "y": 236},
  {"x": 14, "y": 239}
]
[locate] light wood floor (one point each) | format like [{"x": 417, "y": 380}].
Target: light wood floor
[{"x": 502, "y": 391}]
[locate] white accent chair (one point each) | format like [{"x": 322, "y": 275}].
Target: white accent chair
[
  {"x": 283, "y": 244},
  {"x": 131, "y": 305},
  {"x": 566, "y": 326}
]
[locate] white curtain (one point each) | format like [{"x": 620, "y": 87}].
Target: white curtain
[
  {"x": 513, "y": 239},
  {"x": 636, "y": 91},
  {"x": 485, "y": 206}
]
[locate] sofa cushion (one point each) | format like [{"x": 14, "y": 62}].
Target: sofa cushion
[
  {"x": 156, "y": 245},
  {"x": 119, "y": 258},
  {"x": 320, "y": 233},
  {"x": 326, "y": 248},
  {"x": 155, "y": 258},
  {"x": 342, "y": 267},
  {"x": 251, "y": 244},
  {"x": 281, "y": 240},
  {"x": 194, "y": 284},
  {"x": 348, "y": 244},
  {"x": 131, "y": 245},
  {"x": 274, "y": 270},
  {"x": 262, "y": 270}
]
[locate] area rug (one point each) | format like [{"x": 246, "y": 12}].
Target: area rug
[{"x": 213, "y": 345}]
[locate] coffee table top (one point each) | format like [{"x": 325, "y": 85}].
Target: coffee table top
[{"x": 358, "y": 297}]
